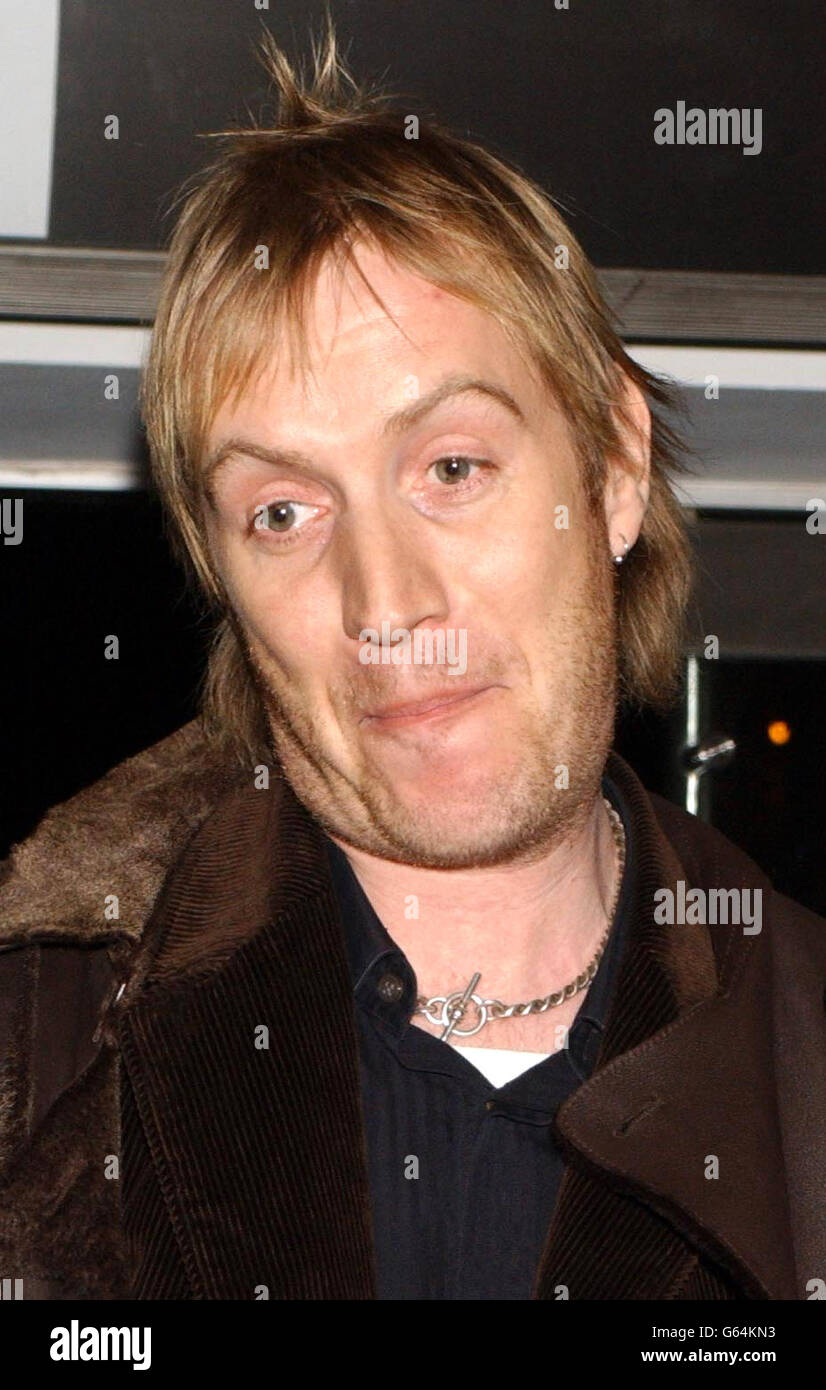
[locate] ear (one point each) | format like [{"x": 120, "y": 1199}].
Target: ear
[{"x": 628, "y": 474}]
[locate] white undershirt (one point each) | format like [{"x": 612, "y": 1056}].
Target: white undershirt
[{"x": 501, "y": 1064}]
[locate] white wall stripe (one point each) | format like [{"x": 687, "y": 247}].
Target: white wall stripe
[
  {"x": 749, "y": 494},
  {"x": 749, "y": 369},
  {"x": 28, "y": 96},
  {"x": 756, "y": 369},
  {"x": 77, "y": 475},
  {"x": 72, "y": 344}
]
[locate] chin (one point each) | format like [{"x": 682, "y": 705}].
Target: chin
[
  {"x": 440, "y": 845},
  {"x": 495, "y": 823}
]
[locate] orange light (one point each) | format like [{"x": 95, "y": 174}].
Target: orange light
[{"x": 779, "y": 732}]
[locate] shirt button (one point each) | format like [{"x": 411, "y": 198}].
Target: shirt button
[
  {"x": 489, "y": 1104},
  {"x": 390, "y": 988}
]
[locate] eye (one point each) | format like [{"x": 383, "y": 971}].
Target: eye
[
  {"x": 455, "y": 468},
  {"x": 282, "y": 516}
]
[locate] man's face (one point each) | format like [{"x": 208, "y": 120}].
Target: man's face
[{"x": 449, "y": 520}]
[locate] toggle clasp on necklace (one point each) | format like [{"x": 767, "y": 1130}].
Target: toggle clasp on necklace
[{"x": 454, "y": 1007}]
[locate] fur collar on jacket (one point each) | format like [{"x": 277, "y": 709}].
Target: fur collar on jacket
[{"x": 118, "y": 836}]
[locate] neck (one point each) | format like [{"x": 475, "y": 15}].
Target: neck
[{"x": 528, "y": 928}]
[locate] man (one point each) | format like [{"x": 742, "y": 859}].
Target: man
[{"x": 360, "y": 985}]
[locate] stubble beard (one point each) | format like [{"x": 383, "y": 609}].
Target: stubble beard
[{"x": 525, "y": 813}]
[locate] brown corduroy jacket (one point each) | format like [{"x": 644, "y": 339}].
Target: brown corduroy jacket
[{"x": 149, "y": 1148}]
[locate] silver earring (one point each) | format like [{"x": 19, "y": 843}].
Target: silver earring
[{"x": 618, "y": 559}]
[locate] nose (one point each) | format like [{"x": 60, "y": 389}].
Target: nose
[{"x": 389, "y": 575}]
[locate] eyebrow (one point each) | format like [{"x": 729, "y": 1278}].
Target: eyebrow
[{"x": 393, "y": 424}]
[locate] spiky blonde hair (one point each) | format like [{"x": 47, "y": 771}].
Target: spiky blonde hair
[{"x": 336, "y": 166}]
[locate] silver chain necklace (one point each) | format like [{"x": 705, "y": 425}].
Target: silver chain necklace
[{"x": 448, "y": 1010}]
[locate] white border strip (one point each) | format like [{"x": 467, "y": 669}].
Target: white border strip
[
  {"x": 72, "y": 345},
  {"x": 745, "y": 494},
  {"x": 756, "y": 369},
  {"x": 102, "y": 475},
  {"x": 750, "y": 369},
  {"x": 28, "y": 96}
]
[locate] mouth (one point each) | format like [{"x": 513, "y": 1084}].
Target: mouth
[{"x": 436, "y": 706}]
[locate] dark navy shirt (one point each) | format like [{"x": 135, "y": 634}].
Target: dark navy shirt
[{"x": 463, "y": 1176}]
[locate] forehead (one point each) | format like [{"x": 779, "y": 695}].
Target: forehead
[
  {"x": 346, "y": 293},
  {"x": 370, "y": 346}
]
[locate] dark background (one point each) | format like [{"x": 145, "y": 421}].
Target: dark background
[{"x": 569, "y": 95}]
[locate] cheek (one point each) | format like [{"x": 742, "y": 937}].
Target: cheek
[
  {"x": 533, "y": 539},
  {"x": 290, "y": 627},
  {"x": 289, "y": 622},
  {"x": 285, "y": 650},
  {"x": 526, "y": 570},
  {"x": 251, "y": 587}
]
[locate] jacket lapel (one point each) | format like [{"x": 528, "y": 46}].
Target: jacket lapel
[
  {"x": 258, "y": 1137},
  {"x": 685, "y": 1077},
  {"x": 239, "y": 1038}
]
